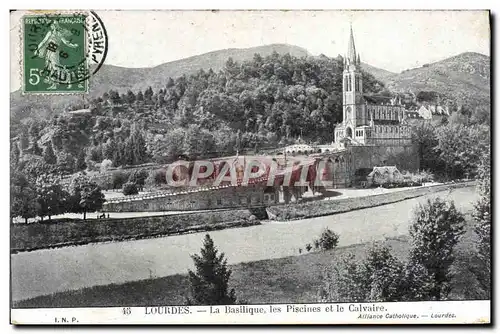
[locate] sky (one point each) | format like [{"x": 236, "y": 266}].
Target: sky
[{"x": 392, "y": 40}]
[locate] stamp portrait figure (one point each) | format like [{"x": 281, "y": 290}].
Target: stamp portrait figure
[{"x": 50, "y": 50}]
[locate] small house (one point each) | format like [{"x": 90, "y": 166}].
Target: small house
[{"x": 385, "y": 174}]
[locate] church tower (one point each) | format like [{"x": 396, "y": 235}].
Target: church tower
[{"x": 352, "y": 88}]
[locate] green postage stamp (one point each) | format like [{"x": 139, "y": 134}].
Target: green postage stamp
[{"x": 61, "y": 51}]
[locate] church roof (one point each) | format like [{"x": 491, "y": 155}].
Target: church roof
[
  {"x": 351, "y": 50},
  {"x": 377, "y": 99}
]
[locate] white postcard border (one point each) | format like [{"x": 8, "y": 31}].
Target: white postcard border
[{"x": 438, "y": 312}]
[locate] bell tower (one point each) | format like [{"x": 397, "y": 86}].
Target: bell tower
[{"x": 352, "y": 88}]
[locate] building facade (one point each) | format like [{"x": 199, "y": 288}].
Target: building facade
[{"x": 368, "y": 120}]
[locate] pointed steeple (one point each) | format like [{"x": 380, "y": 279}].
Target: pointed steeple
[
  {"x": 358, "y": 62},
  {"x": 351, "y": 50}
]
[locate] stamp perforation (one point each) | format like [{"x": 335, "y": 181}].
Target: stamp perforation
[{"x": 22, "y": 58}]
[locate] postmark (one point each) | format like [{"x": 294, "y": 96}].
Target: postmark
[{"x": 61, "y": 51}]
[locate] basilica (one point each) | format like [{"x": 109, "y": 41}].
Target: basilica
[{"x": 368, "y": 119}]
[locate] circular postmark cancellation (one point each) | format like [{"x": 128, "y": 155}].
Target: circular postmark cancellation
[{"x": 62, "y": 51}]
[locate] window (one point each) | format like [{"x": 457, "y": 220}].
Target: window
[
  {"x": 272, "y": 197},
  {"x": 219, "y": 201}
]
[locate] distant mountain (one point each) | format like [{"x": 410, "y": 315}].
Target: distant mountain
[
  {"x": 464, "y": 78},
  {"x": 378, "y": 73}
]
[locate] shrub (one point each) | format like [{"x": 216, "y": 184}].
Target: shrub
[
  {"x": 130, "y": 189},
  {"x": 378, "y": 278},
  {"x": 327, "y": 241}
]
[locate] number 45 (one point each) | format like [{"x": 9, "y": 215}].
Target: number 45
[{"x": 34, "y": 77}]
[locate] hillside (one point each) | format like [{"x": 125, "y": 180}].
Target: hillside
[
  {"x": 378, "y": 73},
  {"x": 121, "y": 78},
  {"x": 464, "y": 78}
]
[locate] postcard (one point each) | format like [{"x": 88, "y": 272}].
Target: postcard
[{"x": 250, "y": 167}]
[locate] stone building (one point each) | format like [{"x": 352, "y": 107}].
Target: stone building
[
  {"x": 375, "y": 130},
  {"x": 220, "y": 197},
  {"x": 368, "y": 120}
]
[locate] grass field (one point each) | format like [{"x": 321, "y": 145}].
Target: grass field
[{"x": 283, "y": 280}]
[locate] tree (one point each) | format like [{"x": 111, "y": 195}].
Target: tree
[
  {"x": 461, "y": 147},
  {"x": 22, "y": 197},
  {"x": 109, "y": 149},
  {"x": 140, "y": 96},
  {"x": 148, "y": 94},
  {"x": 209, "y": 283},
  {"x": 51, "y": 197},
  {"x": 136, "y": 147},
  {"x": 482, "y": 228},
  {"x": 85, "y": 195},
  {"x": 14, "y": 153},
  {"x": 436, "y": 228},
  {"x": 80, "y": 161},
  {"x": 65, "y": 163},
  {"x": 35, "y": 149},
  {"x": 130, "y": 188},
  {"x": 156, "y": 178},
  {"x": 118, "y": 179},
  {"x": 424, "y": 135},
  {"x": 34, "y": 165},
  {"x": 130, "y": 98},
  {"x": 378, "y": 278},
  {"x": 49, "y": 155},
  {"x": 138, "y": 177},
  {"x": 114, "y": 97}
]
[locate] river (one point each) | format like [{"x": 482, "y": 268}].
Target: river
[{"x": 53, "y": 270}]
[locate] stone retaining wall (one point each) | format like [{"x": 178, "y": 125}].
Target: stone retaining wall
[{"x": 329, "y": 207}]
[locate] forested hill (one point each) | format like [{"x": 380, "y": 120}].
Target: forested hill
[
  {"x": 122, "y": 78},
  {"x": 266, "y": 101}
]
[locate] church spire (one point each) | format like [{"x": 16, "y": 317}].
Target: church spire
[{"x": 351, "y": 51}]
